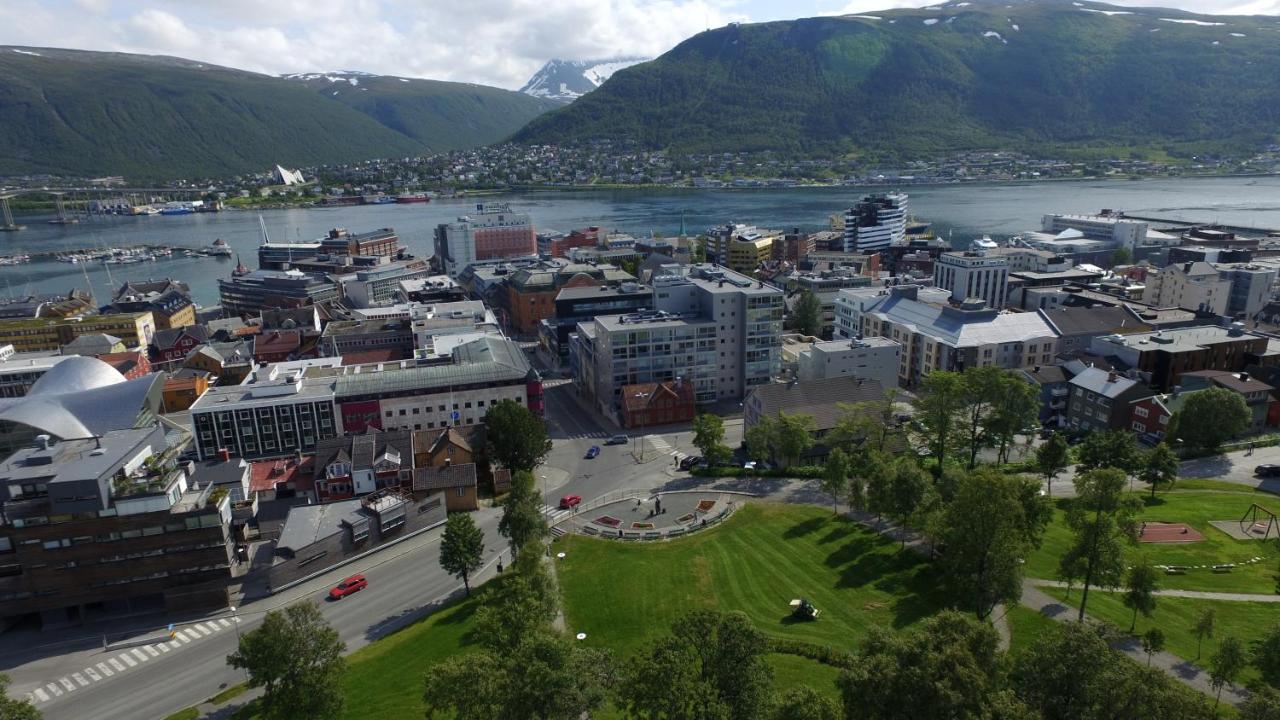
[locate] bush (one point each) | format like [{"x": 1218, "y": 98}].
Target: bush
[
  {"x": 799, "y": 471},
  {"x": 824, "y": 654}
]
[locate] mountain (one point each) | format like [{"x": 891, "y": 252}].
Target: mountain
[
  {"x": 73, "y": 112},
  {"x": 440, "y": 115},
  {"x": 567, "y": 80},
  {"x": 1044, "y": 76}
]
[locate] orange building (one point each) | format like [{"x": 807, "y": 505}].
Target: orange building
[
  {"x": 181, "y": 393},
  {"x": 531, "y": 291}
]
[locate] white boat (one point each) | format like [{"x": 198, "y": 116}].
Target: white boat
[{"x": 220, "y": 248}]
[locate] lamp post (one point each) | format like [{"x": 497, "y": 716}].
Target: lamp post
[{"x": 235, "y": 620}]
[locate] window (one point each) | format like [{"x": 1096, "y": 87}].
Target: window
[
  {"x": 1140, "y": 412},
  {"x": 462, "y": 491}
]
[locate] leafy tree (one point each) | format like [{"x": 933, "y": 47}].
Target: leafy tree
[
  {"x": 866, "y": 467},
  {"x": 1051, "y": 459},
  {"x": 1225, "y": 665},
  {"x": 1121, "y": 256},
  {"x": 527, "y": 600},
  {"x": 1160, "y": 468},
  {"x": 792, "y": 437},
  {"x": 711, "y": 666},
  {"x": 296, "y": 657},
  {"x": 1263, "y": 704},
  {"x": 835, "y": 476},
  {"x": 1016, "y": 408},
  {"x": 462, "y": 548},
  {"x": 806, "y": 315},
  {"x": 1204, "y": 627},
  {"x": 1141, "y": 583},
  {"x": 868, "y": 424},
  {"x": 1265, "y": 653},
  {"x": 1152, "y": 643},
  {"x": 907, "y": 487},
  {"x": 1110, "y": 449},
  {"x": 516, "y": 438},
  {"x": 980, "y": 388},
  {"x": 1102, "y": 521},
  {"x": 759, "y": 439},
  {"x": 941, "y": 399},
  {"x": 522, "y": 520},
  {"x": 1210, "y": 417},
  {"x": 950, "y": 667},
  {"x": 805, "y": 703},
  {"x": 708, "y": 437},
  {"x": 469, "y": 686},
  {"x": 988, "y": 530},
  {"x": 14, "y": 709}
]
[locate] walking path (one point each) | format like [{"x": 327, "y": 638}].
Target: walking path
[
  {"x": 1180, "y": 669},
  {"x": 1196, "y": 594}
]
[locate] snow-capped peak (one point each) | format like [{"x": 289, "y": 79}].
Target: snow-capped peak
[{"x": 568, "y": 80}]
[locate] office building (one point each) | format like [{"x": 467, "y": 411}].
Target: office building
[
  {"x": 874, "y": 358},
  {"x": 1190, "y": 286},
  {"x": 337, "y": 243},
  {"x": 251, "y": 293},
  {"x": 135, "y": 330},
  {"x": 1251, "y": 287},
  {"x": 1168, "y": 353},
  {"x": 875, "y": 223},
  {"x": 492, "y": 232},
  {"x": 380, "y": 284},
  {"x": 276, "y": 411},
  {"x": 531, "y": 291},
  {"x": 973, "y": 274},
  {"x": 851, "y": 303},
  {"x": 749, "y": 239},
  {"x": 559, "y": 245},
  {"x": 1108, "y": 227},
  {"x": 580, "y": 304}
]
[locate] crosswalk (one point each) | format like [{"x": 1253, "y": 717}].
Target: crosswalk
[
  {"x": 554, "y": 513},
  {"x": 127, "y": 660},
  {"x": 660, "y": 444}
]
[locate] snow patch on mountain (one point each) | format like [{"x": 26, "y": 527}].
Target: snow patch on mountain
[{"x": 568, "y": 80}]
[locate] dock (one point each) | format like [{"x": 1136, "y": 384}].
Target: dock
[{"x": 1188, "y": 224}]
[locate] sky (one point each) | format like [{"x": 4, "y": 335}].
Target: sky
[{"x": 491, "y": 42}]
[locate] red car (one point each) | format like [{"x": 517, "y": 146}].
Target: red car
[
  {"x": 355, "y": 583},
  {"x": 568, "y": 502}
]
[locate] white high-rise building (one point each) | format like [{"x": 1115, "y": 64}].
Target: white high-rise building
[
  {"x": 875, "y": 223},
  {"x": 973, "y": 274}
]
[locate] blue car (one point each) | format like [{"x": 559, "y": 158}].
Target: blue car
[{"x": 593, "y": 452}]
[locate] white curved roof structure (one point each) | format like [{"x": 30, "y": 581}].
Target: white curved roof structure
[{"x": 80, "y": 397}]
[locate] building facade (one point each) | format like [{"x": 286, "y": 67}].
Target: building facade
[
  {"x": 875, "y": 223},
  {"x": 973, "y": 274},
  {"x": 875, "y": 358},
  {"x": 274, "y": 412},
  {"x": 492, "y": 232}
]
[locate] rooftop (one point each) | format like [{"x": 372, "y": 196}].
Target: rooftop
[
  {"x": 959, "y": 328},
  {"x": 72, "y": 460},
  {"x": 1107, "y": 384},
  {"x": 821, "y": 399},
  {"x": 1181, "y": 339}
]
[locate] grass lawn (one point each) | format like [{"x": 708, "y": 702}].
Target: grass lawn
[
  {"x": 625, "y": 595},
  {"x": 1176, "y": 616},
  {"x": 1196, "y": 506},
  {"x": 1025, "y": 627}
]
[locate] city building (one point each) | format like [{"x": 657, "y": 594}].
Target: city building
[
  {"x": 1251, "y": 287},
  {"x": 532, "y": 290},
  {"x": 826, "y": 401},
  {"x": 108, "y": 520},
  {"x": 957, "y": 337},
  {"x": 358, "y": 249},
  {"x": 1150, "y": 416},
  {"x": 1257, "y": 395},
  {"x": 660, "y": 403},
  {"x": 1078, "y": 326},
  {"x": 1168, "y": 353},
  {"x": 180, "y": 393},
  {"x": 276, "y": 411},
  {"x": 574, "y": 305},
  {"x": 135, "y": 330},
  {"x": 131, "y": 363},
  {"x": 1050, "y": 382},
  {"x": 251, "y": 293},
  {"x": 354, "y": 340},
  {"x": 18, "y": 372},
  {"x": 1107, "y": 226},
  {"x": 850, "y": 304},
  {"x": 172, "y": 344},
  {"x": 1028, "y": 259},
  {"x": 559, "y": 245},
  {"x": 794, "y": 247},
  {"x": 492, "y": 232},
  {"x": 381, "y": 284},
  {"x": 875, "y": 223},
  {"x": 168, "y": 301},
  {"x": 745, "y": 255},
  {"x": 722, "y": 238},
  {"x": 430, "y": 289},
  {"x": 973, "y": 274},
  {"x": 93, "y": 345},
  {"x": 74, "y": 302},
  {"x": 277, "y": 346},
  {"x": 874, "y": 358},
  {"x": 819, "y": 260},
  {"x": 228, "y": 362},
  {"x": 1100, "y": 399},
  {"x": 353, "y": 465},
  {"x": 1190, "y": 286}
]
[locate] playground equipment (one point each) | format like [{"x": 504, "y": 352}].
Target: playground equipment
[{"x": 1251, "y": 526}]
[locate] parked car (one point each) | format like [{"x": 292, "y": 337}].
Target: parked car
[
  {"x": 1266, "y": 471},
  {"x": 568, "y": 502},
  {"x": 618, "y": 440},
  {"x": 355, "y": 583},
  {"x": 691, "y": 462},
  {"x": 592, "y": 452}
]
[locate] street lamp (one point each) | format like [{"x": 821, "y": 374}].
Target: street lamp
[{"x": 235, "y": 620}]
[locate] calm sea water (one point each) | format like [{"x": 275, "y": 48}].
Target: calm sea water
[{"x": 962, "y": 212}]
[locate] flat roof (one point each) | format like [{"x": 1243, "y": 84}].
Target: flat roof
[{"x": 70, "y": 460}]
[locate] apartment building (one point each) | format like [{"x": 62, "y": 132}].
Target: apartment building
[
  {"x": 492, "y": 232},
  {"x": 874, "y": 358},
  {"x": 973, "y": 274},
  {"x": 850, "y": 304},
  {"x": 531, "y": 291},
  {"x": 1168, "y": 353},
  {"x": 1101, "y": 399},
  {"x": 580, "y": 304},
  {"x": 1191, "y": 286},
  {"x": 278, "y": 410}
]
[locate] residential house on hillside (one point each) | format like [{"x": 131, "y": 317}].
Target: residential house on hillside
[
  {"x": 1052, "y": 389},
  {"x": 176, "y": 343},
  {"x": 1257, "y": 395},
  {"x": 1100, "y": 399},
  {"x": 1149, "y": 417}
]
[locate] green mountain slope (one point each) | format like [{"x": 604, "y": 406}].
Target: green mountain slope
[
  {"x": 1045, "y": 76},
  {"x": 440, "y": 115}
]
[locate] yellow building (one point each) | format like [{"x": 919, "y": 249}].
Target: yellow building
[
  {"x": 746, "y": 255},
  {"x": 44, "y": 334}
]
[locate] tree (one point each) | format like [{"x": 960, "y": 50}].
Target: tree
[
  {"x": 907, "y": 487},
  {"x": 950, "y": 667},
  {"x": 1263, "y": 704},
  {"x": 1160, "y": 468},
  {"x": 516, "y": 438},
  {"x": 988, "y": 531},
  {"x": 462, "y": 548},
  {"x": 1152, "y": 643},
  {"x": 1016, "y": 408},
  {"x": 1210, "y": 417},
  {"x": 1265, "y": 653},
  {"x": 708, "y": 437},
  {"x": 526, "y": 601},
  {"x": 13, "y": 709},
  {"x": 1101, "y": 520},
  {"x": 1121, "y": 256},
  {"x": 805, "y": 703},
  {"x": 941, "y": 399},
  {"x": 835, "y": 476},
  {"x": 792, "y": 437},
  {"x": 522, "y": 519},
  {"x": 1110, "y": 449},
  {"x": 806, "y": 315},
  {"x": 868, "y": 424},
  {"x": 1225, "y": 665},
  {"x": 759, "y": 439},
  {"x": 711, "y": 666},
  {"x": 1051, "y": 459},
  {"x": 1140, "y": 590},
  {"x": 1203, "y": 628},
  {"x": 980, "y": 388},
  {"x": 296, "y": 657}
]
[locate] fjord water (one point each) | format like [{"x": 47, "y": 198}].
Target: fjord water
[{"x": 958, "y": 211}]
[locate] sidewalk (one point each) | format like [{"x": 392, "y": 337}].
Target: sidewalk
[{"x": 1196, "y": 594}]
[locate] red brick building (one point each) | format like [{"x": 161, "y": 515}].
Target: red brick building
[
  {"x": 132, "y": 365},
  {"x": 586, "y": 237},
  {"x": 277, "y": 346},
  {"x": 650, "y": 404}
]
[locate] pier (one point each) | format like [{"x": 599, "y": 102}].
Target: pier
[{"x": 1188, "y": 224}]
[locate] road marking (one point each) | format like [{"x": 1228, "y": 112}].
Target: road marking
[
  {"x": 235, "y": 619},
  {"x": 41, "y": 695},
  {"x": 164, "y": 647},
  {"x": 151, "y": 651},
  {"x": 67, "y": 684},
  {"x": 175, "y": 644},
  {"x": 116, "y": 664},
  {"x": 80, "y": 679},
  {"x": 57, "y": 691},
  {"x": 92, "y": 674},
  {"x": 213, "y": 627},
  {"x": 102, "y": 667},
  {"x": 128, "y": 660},
  {"x": 139, "y": 654},
  {"x": 203, "y": 630},
  {"x": 223, "y": 622},
  {"x": 183, "y": 637}
]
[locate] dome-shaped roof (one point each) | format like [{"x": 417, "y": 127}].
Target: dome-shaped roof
[{"x": 76, "y": 374}]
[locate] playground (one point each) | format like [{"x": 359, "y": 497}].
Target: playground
[
  {"x": 1166, "y": 532},
  {"x": 1258, "y": 523}
]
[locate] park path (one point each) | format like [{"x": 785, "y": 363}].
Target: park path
[
  {"x": 1194, "y": 594},
  {"x": 1178, "y": 668}
]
